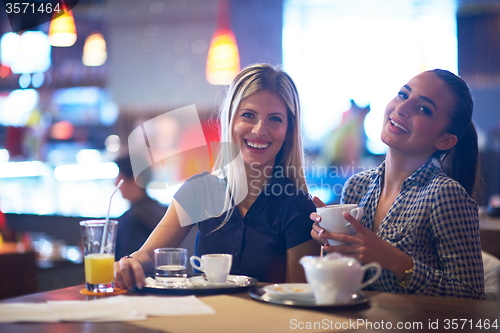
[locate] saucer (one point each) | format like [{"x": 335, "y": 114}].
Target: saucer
[
  {"x": 289, "y": 291},
  {"x": 258, "y": 293},
  {"x": 232, "y": 280},
  {"x": 197, "y": 285}
]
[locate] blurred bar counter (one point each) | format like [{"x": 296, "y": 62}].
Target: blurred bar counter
[
  {"x": 44, "y": 251},
  {"x": 18, "y": 271},
  {"x": 22, "y": 273}
]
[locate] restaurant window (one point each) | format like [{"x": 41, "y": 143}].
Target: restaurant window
[
  {"x": 55, "y": 160},
  {"x": 57, "y": 123},
  {"x": 361, "y": 50}
]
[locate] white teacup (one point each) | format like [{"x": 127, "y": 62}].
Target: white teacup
[
  {"x": 333, "y": 221},
  {"x": 334, "y": 278},
  {"x": 215, "y": 266}
]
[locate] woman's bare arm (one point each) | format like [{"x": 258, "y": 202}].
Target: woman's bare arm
[{"x": 130, "y": 272}]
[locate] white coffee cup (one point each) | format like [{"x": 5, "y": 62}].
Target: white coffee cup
[
  {"x": 335, "y": 279},
  {"x": 333, "y": 221},
  {"x": 216, "y": 266}
]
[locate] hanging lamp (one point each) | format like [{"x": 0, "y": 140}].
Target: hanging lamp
[
  {"x": 62, "y": 29},
  {"x": 223, "y": 62},
  {"x": 94, "y": 50}
]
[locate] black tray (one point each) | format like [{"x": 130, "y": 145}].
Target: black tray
[{"x": 244, "y": 282}]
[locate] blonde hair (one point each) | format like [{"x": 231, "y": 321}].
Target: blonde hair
[{"x": 250, "y": 80}]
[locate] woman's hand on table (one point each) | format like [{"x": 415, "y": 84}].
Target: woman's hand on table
[
  {"x": 365, "y": 246},
  {"x": 129, "y": 273}
]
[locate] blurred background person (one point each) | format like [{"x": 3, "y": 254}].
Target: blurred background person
[
  {"x": 141, "y": 218},
  {"x": 345, "y": 145}
]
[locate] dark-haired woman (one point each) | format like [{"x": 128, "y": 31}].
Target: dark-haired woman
[{"x": 420, "y": 221}]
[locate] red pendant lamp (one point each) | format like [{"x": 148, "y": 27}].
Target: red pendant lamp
[{"x": 223, "y": 62}]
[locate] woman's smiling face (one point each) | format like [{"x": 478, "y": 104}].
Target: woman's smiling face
[
  {"x": 260, "y": 128},
  {"x": 416, "y": 120}
]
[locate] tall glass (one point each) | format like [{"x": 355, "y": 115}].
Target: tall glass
[{"x": 99, "y": 242}]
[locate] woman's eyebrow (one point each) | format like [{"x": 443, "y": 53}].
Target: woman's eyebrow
[{"x": 427, "y": 99}]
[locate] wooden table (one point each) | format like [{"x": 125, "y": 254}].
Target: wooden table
[{"x": 384, "y": 313}]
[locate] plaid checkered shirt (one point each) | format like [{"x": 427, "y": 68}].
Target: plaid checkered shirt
[{"x": 433, "y": 220}]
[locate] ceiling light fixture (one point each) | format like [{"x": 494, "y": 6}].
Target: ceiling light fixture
[
  {"x": 223, "y": 62},
  {"x": 62, "y": 29},
  {"x": 94, "y": 50}
]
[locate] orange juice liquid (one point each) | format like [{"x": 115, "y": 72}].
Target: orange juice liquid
[{"x": 99, "y": 268}]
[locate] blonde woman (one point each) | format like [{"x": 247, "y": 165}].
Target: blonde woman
[{"x": 255, "y": 205}]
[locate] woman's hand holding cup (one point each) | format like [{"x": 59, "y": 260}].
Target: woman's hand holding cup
[{"x": 330, "y": 218}]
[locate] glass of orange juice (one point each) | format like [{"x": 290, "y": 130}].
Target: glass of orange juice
[{"x": 99, "y": 240}]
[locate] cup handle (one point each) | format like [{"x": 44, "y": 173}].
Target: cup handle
[
  {"x": 358, "y": 213},
  {"x": 373, "y": 278},
  {"x": 193, "y": 263}
]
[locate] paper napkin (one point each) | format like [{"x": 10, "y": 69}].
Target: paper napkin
[{"x": 118, "y": 308}]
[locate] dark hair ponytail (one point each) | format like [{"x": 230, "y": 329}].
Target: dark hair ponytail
[{"x": 461, "y": 162}]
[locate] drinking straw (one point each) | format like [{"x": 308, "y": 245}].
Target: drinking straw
[{"x": 107, "y": 217}]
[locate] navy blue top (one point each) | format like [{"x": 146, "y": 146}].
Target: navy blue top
[{"x": 278, "y": 220}]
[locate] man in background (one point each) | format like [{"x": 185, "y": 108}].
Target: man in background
[{"x": 144, "y": 213}]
